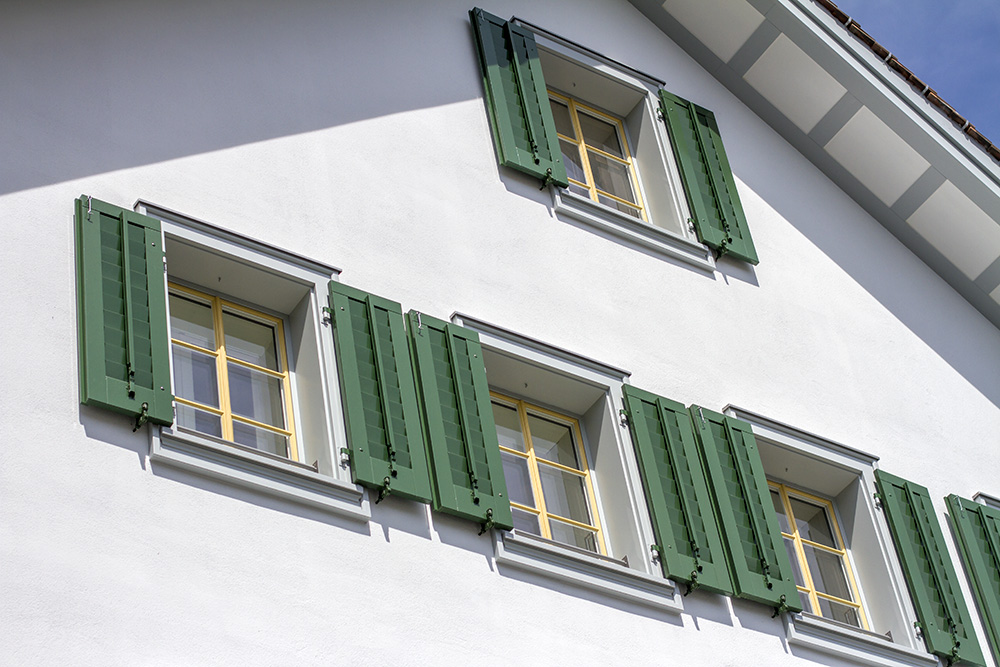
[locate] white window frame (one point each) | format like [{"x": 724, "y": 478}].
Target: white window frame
[
  {"x": 776, "y": 440},
  {"x": 683, "y": 245},
  {"x": 326, "y": 484},
  {"x": 640, "y": 579}
]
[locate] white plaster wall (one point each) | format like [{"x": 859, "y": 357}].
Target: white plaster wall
[{"x": 355, "y": 133}]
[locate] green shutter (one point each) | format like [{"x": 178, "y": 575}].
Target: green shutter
[
  {"x": 708, "y": 178},
  {"x": 121, "y": 312},
  {"x": 680, "y": 505},
  {"x": 758, "y": 561},
  {"x": 524, "y": 130},
  {"x": 978, "y": 529},
  {"x": 467, "y": 471},
  {"x": 930, "y": 575},
  {"x": 384, "y": 433}
]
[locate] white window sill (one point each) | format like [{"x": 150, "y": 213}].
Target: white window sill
[
  {"x": 629, "y": 229},
  {"x": 845, "y": 641},
  {"x": 272, "y": 475},
  {"x": 584, "y": 569}
]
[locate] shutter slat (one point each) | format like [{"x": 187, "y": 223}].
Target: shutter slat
[
  {"x": 758, "y": 562},
  {"x": 680, "y": 505},
  {"x": 524, "y": 130},
  {"x": 978, "y": 530},
  {"x": 466, "y": 467},
  {"x": 930, "y": 575},
  {"x": 121, "y": 309},
  {"x": 717, "y": 213},
  {"x": 384, "y": 432}
]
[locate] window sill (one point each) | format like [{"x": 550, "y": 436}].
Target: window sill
[
  {"x": 629, "y": 229},
  {"x": 583, "y": 569},
  {"x": 844, "y": 641},
  {"x": 274, "y": 476}
]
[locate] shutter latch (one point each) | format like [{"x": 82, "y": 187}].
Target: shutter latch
[
  {"x": 548, "y": 178},
  {"x": 782, "y": 606},
  {"x": 489, "y": 521},
  {"x": 384, "y": 491},
  {"x": 142, "y": 417}
]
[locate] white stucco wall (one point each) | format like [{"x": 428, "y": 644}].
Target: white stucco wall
[{"x": 356, "y": 134}]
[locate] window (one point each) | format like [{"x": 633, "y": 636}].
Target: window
[
  {"x": 570, "y": 473},
  {"x": 596, "y": 132},
  {"x": 229, "y": 358},
  {"x": 548, "y": 478},
  {"x": 852, "y": 588},
  {"x": 819, "y": 560},
  {"x": 597, "y": 158},
  {"x": 230, "y": 372}
]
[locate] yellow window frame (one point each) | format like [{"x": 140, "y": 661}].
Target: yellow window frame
[
  {"x": 786, "y": 493},
  {"x": 523, "y": 408},
  {"x": 583, "y": 148},
  {"x": 221, "y": 366}
]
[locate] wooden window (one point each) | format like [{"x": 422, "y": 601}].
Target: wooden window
[
  {"x": 815, "y": 547},
  {"x": 230, "y": 372},
  {"x": 548, "y": 478},
  {"x": 596, "y": 155}
]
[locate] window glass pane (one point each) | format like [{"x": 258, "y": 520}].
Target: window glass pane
[
  {"x": 806, "y": 603},
  {"x": 191, "y": 322},
  {"x": 553, "y": 441},
  {"x": 564, "y": 124},
  {"x": 564, "y": 493},
  {"x": 812, "y": 521},
  {"x": 255, "y": 395},
  {"x": 199, "y": 420},
  {"x": 250, "y": 341},
  {"x": 600, "y": 134},
  {"x": 515, "y": 470},
  {"x": 827, "y": 572},
  {"x": 259, "y": 438},
  {"x": 779, "y": 509},
  {"x": 839, "y": 612},
  {"x": 573, "y": 162},
  {"x": 579, "y": 190},
  {"x": 573, "y": 535},
  {"x": 525, "y": 522},
  {"x": 611, "y": 176},
  {"x": 619, "y": 206},
  {"x": 794, "y": 559},
  {"x": 195, "y": 376},
  {"x": 508, "y": 427}
]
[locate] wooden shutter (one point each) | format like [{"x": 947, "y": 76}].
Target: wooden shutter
[
  {"x": 930, "y": 575},
  {"x": 758, "y": 561},
  {"x": 466, "y": 468},
  {"x": 680, "y": 505},
  {"x": 121, "y": 312},
  {"x": 524, "y": 130},
  {"x": 978, "y": 530},
  {"x": 384, "y": 433},
  {"x": 708, "y": 178}
]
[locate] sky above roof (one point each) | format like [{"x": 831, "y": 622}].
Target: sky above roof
[{"x": 952, "y": 45}]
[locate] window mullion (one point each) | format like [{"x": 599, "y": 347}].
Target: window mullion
[
  {"x": 223, "y": 371},
  {"x": 582, "y": 146},
  {"x": 536, "y": 480}
]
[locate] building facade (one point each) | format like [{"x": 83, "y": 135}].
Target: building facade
[{"x": 542, "y": 333}]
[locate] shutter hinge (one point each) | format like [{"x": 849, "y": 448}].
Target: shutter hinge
[
  {"x": 420, "y": 325},
  {"x": 548, "y": 178},
  {"x": 782, "y": 606},
  {"x": 622, "y": 418},
  {"x": 384, "y": 491},
  {"x": 89, "y": 202},
  {"x": 345, "y": 457},
  {"x": 657, "y": 551},
  {"x": 327, "y": 315},
  {"x": 691, "y": 227},
  {"x": 660, "y": 114},
  {"x": 878, "y": 500}
]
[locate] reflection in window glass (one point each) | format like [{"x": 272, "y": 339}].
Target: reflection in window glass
[
  {"x": 548, "y": 479},
  {"x": 819, "y": 560},
  {"x": 230, "y": 372}
]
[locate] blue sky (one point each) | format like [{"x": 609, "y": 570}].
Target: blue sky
[{"x": 952, "y": 45}]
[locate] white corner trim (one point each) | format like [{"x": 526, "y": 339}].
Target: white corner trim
[
  {"x": 627, "y": 228},
  {"x": 577, "y": 568},
  {"x": 253, "y": 470},
  {"x": 860, "y": 646}
]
